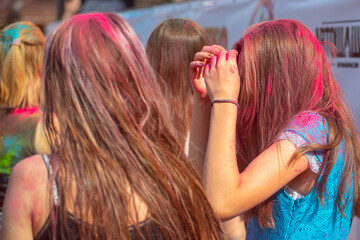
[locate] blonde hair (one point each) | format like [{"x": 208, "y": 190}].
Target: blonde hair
[{"x": 21, "y": 65}]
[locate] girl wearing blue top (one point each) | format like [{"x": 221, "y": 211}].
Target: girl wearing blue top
[{"x": 277, "y": 144}]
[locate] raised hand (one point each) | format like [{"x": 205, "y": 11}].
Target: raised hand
[
  {"x": 201, "y": 59},
  {"x": 222, "y": 76}
]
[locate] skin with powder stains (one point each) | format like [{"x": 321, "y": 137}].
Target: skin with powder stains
[
  {"x": 24, "y": 210},
  {"x": 202, "y": 59}
]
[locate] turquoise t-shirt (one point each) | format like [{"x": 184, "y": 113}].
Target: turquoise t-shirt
[{"x": 305, "y": 218}]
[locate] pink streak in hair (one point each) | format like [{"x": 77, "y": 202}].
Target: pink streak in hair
[
  {"x": 269, "y": 86},
  {"x": 26, "y": 110},
  {"x": 318, "y": 86},
  {"x": 186, "y": 25}
]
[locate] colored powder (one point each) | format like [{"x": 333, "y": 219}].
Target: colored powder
[{"x": 13, "y": 145}]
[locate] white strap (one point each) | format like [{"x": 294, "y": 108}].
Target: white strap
[
  {"x": 292, "y": 193},
  {"x": 50, "y": 169}
]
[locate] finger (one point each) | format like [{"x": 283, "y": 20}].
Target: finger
[
  {"x": 195, "y": 64},
  {"x": 232, "y": 55},
  {"x": 220, "y": 48},
  {"x": 213, "y": 62},
  {"x": 206, "y": 70},
  {"x": 214, "y": 49},
  {"x": 198, "y": 73},
  {"x": 202, "y": 55},
  {"x": 207, "y": 62},
  {"x": 221, "y": 56}
]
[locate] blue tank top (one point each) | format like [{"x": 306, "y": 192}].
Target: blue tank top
[{"x": 306, "y": 218}]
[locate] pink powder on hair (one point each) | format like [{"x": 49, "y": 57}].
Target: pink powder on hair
[
  {"x": 26, "y": 110},
  {"x": 106, "y": 26},
  {"x": 186, "y": 25},
  {"x": 318, "y": 85},
  {"x": 269, "y": 86}
]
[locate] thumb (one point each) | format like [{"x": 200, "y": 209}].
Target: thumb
[{"x": 232, "y": 55}]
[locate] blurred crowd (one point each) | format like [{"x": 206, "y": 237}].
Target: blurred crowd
[{"x": 43, "y": 12}]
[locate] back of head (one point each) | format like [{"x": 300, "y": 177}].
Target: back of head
[
  {"x": 21, "y": 65},
  {"x": 116, "y": 139},
  {"x": 283, "y": 71},
  {"x": 170, "y": 49}
]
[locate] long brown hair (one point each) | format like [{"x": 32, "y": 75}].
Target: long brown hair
[
  {"x": 21, "y": 65},
  {"x": 115, "y": 135},
  {"x": 170, "y": 49},
  {"x": 284, "y": 71}
]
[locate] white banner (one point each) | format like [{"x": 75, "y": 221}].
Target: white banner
[
  {"x": 336, "y": 21},
  {"x": 225, "y": 20}
]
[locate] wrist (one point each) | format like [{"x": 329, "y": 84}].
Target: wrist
[
  {"x": 202, "y": 102},
  {"x": 225, "y": 101}
]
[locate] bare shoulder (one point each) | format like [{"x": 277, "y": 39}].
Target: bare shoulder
[
  {"x": 28, "y": 178},
  {"x": 29, "y": 171},
  {"x": 25, "y": 195}
]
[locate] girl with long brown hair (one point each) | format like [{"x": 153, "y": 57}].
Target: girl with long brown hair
[
  {"x": 170, "y": 49},
  {"x": 281, "y": 145},
  {"x": 117, "y": 171}
]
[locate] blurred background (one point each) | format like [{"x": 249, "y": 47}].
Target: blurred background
[{"x": 43, "y": 12}]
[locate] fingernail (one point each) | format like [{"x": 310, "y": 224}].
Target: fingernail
[
  {"x": 202, "y": 64},
  {"x": 217, "y": 50}
]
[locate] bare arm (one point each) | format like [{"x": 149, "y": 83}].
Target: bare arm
[
  {"x": 199, "y": 133},
  {"x": 201, "y": 107},
  {"x": 234, "y": 229},
  {"x": 230, "y": 192},
  {"x": 23, "y": 195}
]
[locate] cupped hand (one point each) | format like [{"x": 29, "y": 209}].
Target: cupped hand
[
  {"x": 201, "y": 59},
  {"x": 222, "y": 76}
]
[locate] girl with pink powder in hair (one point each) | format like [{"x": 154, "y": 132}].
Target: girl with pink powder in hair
[
  {"x": 117, "y": 171},
  {"x": 274, "y": 138}
]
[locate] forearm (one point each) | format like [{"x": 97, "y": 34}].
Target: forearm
[
  {"x": 221, "y": 176},
  {"x": 199, "y": 133},
  {"x": 231, "y": 193},
  {"x": 234, "y": 229}
]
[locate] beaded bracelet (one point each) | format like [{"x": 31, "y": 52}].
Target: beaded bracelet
[{"x": 225, "y": 101}]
